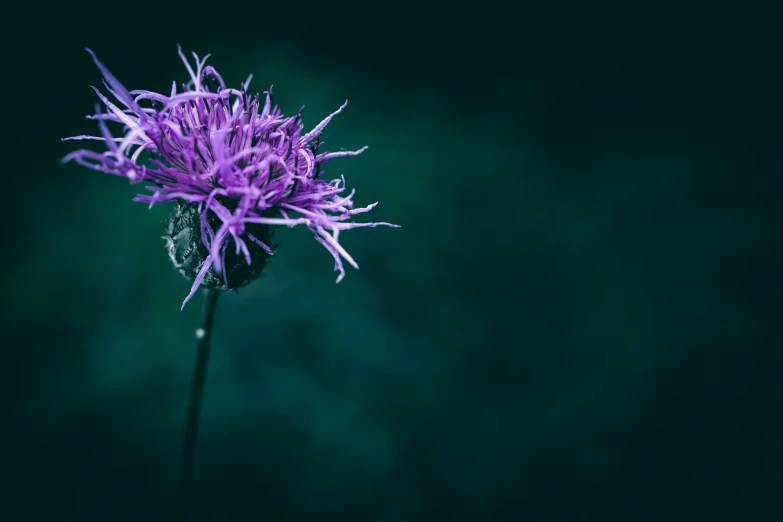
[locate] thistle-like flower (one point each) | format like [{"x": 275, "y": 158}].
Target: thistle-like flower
[{"x": 235, "y": 167}]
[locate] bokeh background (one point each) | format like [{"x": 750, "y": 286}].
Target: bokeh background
[{"x": 578, "y": 320}]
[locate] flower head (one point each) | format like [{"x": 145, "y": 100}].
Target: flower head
[{"x": 235, "y": 165}]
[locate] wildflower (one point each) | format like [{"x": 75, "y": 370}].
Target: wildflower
[{"x": 235, "y": 166}]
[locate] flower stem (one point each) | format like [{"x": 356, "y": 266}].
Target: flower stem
[{"x": 203, "y": 336}]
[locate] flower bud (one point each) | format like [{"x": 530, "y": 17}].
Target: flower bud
[{"x": 188, "y": 252}]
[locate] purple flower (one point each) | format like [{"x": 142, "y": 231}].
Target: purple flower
[{"x": 234, "y": 165}]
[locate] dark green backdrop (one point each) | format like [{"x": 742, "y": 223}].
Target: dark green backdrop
[{"x": 577, "y": 320}]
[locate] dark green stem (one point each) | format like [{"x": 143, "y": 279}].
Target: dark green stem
[{"x": 203, "y": 336}]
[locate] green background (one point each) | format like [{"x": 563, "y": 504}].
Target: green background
[{"x": 578, "y": 320}]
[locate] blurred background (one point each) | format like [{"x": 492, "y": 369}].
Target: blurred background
[{"x": 578, "y": 320}]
